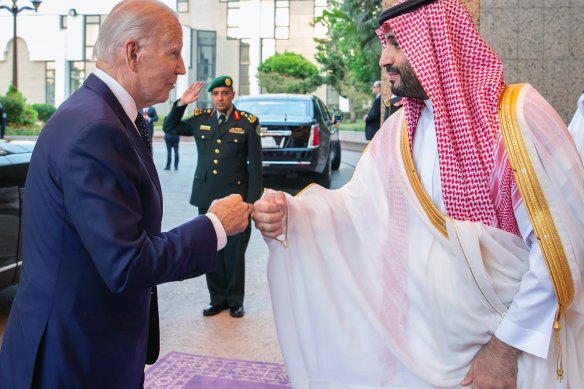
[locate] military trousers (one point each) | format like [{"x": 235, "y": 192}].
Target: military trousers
[{"x": 227, "y": 283}]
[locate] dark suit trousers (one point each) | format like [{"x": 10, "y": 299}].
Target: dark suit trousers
[
  {"x": 172, "y": 144},
  {"x": 227, "y": 283}
]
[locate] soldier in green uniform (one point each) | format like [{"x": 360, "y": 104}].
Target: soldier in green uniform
[{"x": 229, "y": 161}]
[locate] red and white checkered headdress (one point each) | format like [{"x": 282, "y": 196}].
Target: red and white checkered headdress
[{"x": 463, "y": 78}]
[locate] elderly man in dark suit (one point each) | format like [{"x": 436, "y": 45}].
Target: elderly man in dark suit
[
  {"x": 85, "y": 314},
  {"x": 373, "y": 117},
  {"x": 229, "y": 161}
]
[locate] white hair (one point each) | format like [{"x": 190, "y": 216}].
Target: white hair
[{"x": 141, "y": 20}]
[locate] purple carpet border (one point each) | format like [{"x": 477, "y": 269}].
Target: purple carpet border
[{"x": 175, "y": 370}]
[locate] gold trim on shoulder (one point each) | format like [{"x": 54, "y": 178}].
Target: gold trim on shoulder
[
  {"x": 433, "y": 213},
  {"x": 537, "y": 208}
]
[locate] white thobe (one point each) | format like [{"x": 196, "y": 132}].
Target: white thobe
[
  {"x": 527, "y": 324},
  {"x": 370, "y": 294},
  {"x": 576, "y": 126}
]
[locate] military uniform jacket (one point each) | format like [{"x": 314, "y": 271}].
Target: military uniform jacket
[{"x": 229, "y": 156}]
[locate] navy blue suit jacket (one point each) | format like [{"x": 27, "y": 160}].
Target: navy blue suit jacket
[{"x": 93, "y": 250}]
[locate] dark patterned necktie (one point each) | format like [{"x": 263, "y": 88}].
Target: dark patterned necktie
[
  {"x": 142, "y": 126},
  {"x": 221, "y": 119}
]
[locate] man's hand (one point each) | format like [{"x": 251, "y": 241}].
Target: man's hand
[
  {"x": 232, "y": 212},
  {"x": 192, "y": 93},
  {"x": 269, "y": 212},
  {"x": 494, "y": 367}
]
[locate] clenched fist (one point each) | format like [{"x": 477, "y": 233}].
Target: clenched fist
[
  {"x": 269, "y": 214},
  {"x": 232, "y": 212}
]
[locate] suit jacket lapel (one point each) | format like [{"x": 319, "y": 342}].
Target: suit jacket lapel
[{"x": 95, "y": 84}]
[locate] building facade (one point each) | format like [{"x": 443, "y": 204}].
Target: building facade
[
  {"x": 540, "y": 42},
  {"x": 55, "y": 45}
]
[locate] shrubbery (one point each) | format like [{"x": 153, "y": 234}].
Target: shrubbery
[
  {"x": 21, "y": 114},
  {"x": 288, "y": 73},
  {"x": 45, "y": 111}
]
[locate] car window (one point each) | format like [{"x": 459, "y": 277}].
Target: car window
[
  {"x": 287, "y": 110},
  {"x": 325, "y": 111}
]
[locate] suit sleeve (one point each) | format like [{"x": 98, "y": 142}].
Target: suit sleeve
[
  {"x": 111, "y": 200},
  {"x": 173, "y": 123},
  {"x": 254, "y": 166}
]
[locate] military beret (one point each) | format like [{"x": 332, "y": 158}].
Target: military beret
[{"x": 221, "y": 81}]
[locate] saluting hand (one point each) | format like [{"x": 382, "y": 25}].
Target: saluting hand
[
  {"x": 269, "y": 212},
  {"x": 192, "y": 93},
  {"x": 232, "y": 212}
]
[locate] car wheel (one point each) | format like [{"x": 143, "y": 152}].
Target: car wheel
[
  {"x": 324, "y": 179},
  {"x": 337, "y": 159}
]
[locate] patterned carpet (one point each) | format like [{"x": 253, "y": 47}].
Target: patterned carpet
[{"x": 187, "y": 371}]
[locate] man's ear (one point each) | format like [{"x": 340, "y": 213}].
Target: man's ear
[{"x": 131, "y": 49}]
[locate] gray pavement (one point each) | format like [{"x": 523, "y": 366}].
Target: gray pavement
[{"x": 182, "y": 326}]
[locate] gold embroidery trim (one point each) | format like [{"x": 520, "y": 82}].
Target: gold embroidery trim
[
  {"x": 537, "y": 208},
  {"x": 436, "y": 217}
]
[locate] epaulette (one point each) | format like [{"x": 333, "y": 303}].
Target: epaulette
[
  {"x": 199, "y": 111},
  {"x": 251, "y": 118}
]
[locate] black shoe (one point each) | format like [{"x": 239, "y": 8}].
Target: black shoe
[
  {"x": 237, "y": 311},
  {"x": 167, "y": 168},
  {"x": 211, "y": 310}
]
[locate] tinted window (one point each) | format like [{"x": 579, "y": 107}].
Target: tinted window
[{"x": 283, "y": 110}]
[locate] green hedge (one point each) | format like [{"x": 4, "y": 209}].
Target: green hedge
[
  {"x": 45, "y": 111},
  {"x": 359, "y": 125}
]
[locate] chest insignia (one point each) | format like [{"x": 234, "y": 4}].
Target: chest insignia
[
  {"x": 205, "y": 128},
  {"x": 236, "y": 130}
]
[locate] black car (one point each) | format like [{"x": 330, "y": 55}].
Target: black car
[
  {"x": 298, "y": 135},
  {"x": 14, "y": 161}
]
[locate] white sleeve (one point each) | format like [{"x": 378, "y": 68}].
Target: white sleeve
[
  {"x": 219, "y": 230},
  {"x": 527, "y": 325}
]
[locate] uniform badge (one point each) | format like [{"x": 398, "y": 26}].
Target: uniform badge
[
  {"x": 251, "y": 118},
  {"x": 259, "y": 130},
  {"x": 236, "y": 130},
  {"x": 198, "y": 111},
  {"x": 227, "y": 82},
  {"x": 205, "y": 128}
]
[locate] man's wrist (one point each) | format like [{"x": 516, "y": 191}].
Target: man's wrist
[{"x": 180, "y": 103}]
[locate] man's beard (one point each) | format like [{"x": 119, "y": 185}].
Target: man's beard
[{"x": 408, "y": 85}]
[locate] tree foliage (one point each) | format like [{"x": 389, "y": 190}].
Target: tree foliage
[
  {"x": 350, "y": 54},
  {"x": 18, "y": 112},
  {"x": 288, "y": 73}
]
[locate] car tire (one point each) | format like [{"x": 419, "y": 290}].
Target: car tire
[
  {"x": 324, "y": 179},
  {"x": 337, "y": 159}
]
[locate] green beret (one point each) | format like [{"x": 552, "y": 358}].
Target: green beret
[{"x": 221, "y": 81}]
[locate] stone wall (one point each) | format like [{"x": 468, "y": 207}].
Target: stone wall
[{"x": 541, "y": 42}]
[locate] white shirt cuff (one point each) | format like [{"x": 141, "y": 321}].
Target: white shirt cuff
[
  {"x": 525, "y": 339},
  {"x": 219, "y": 230}
]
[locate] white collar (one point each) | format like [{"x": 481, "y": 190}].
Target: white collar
[{"x": 124, "y": 98}]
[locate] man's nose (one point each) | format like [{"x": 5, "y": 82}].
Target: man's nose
[
  {"x": 386, "y": 58},
  {"x": 180, "y": 66}
]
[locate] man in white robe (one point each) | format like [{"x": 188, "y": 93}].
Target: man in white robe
[{"x": 429, "y": 269}]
